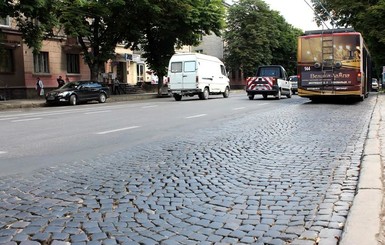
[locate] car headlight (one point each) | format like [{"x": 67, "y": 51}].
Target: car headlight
[{"x": 64, "y": 94}]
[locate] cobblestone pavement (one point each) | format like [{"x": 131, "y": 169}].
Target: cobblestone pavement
[{"x": 286, "y": 176}]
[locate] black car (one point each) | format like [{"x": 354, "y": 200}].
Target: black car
[{"x": 79, "y": 91}]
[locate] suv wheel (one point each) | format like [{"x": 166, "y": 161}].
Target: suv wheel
[
  {"x": 289, "y": 94},
  {"x": 278, "y": 94}
]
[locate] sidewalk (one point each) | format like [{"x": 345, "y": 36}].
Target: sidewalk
[
  {"x": 32, "y": 103},
  {"x": 364, "y": 223}
]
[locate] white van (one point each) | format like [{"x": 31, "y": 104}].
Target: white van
[{"x": 192, "y": 74}]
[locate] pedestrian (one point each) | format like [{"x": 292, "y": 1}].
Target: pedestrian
[
  {"x": 39, "y": 87},
  {"x": 60, "y": 81}
]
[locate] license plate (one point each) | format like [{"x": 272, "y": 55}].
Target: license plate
[{"x": 50, "y": 98}]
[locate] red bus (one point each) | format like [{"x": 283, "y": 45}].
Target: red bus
[{"x": 333, "y": 63}]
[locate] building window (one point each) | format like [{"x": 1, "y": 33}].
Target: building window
[
  {"x": 6, "y": 61},
  {"x": 4, "y": 21},
  {"x": 40, "y": 62},
  {"x": 73, "y": 63}
]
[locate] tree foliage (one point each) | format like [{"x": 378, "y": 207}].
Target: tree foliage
[
  {"x": 364, "y": 16},
  {"x": 174, "y": 23},
  {"x": 99, "y": 25},
  {"x": 257, "y": 36}
]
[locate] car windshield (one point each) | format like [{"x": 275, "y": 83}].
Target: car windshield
[
  {"x": 71, "y": 85},
  {"x": 295, "y": 78}
]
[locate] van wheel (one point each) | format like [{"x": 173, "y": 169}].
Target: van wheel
[
  {"x": 251, "y": 96},
  {"x": 177, "y": 97},
  {"x": 226, "y": 93},
  {"x": 278, "y": 95},
  {"x": 204, "y": 95},
  {"x": 73, "y": 100},
  {"x": 264, "y": 96}
]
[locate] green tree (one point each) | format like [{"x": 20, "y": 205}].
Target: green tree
[
  {"x": 256, "y": 35},
  {"x": 364, "y": 16},
  {"x": 99, "y": 25},
  {"x": 174, "y": 23}
]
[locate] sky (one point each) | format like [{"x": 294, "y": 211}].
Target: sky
[{"x": 296, "y": 12}]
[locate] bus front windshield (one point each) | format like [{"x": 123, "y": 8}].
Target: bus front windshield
[{"x": 345, "y": 47}]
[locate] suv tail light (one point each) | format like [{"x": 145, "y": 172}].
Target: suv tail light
[{"x": 274, "y": 81}]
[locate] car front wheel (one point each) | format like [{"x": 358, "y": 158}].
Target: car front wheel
[
  {"x": 102, "y": 98},
  {"x": 73, "y": 100}
]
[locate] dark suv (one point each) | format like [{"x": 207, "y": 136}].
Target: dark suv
[{"x": 79, "y": 91}]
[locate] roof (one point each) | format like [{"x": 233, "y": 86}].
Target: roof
[{"x": 329, "y": 31}]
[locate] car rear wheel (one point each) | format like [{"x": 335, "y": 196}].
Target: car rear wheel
[
  {"x": 251, "y": 96},
  {"x": 102, "y": 98},
  {"x": 264, "y": 96},
  {"x": 73, "y": 100}
]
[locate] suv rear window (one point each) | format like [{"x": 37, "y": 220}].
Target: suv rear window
[{"x": 269, "y": 72}]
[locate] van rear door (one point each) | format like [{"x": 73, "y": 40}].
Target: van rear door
[{"x": 183, "y": 75}]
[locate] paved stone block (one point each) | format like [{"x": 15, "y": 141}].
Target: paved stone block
[{"x": 79, "y": 238}]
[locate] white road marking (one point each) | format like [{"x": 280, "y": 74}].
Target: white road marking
[
  {"x": 3, "y": 152},
  {"x": 95, "y": 112},
  {"x": 8, "y": 118},
  {"x": 28, "y": 119},
  {"x": 149, "y": 106},
  {"x": 117, "y": 130},
  {"x": 195, "y": 116},
  {"x": 239, "y": 108}
]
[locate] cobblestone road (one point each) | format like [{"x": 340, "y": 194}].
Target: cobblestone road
[{"x": 282, "y": 177}]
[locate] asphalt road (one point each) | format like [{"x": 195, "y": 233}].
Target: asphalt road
[{"x": 48, "y": 136}]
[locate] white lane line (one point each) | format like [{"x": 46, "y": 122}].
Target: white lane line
[
  {"x": 27, "y": 119},
  {"x": 195, "y": 116},
  {"x": 117, "y": 130},
  {"x": 95, "y": 112},
  {"x": 9, "y": 118},
  {"x": 3, "y": 152},
  {"x": 239, "y": 108},
  {"x": 149, "y": 106}
]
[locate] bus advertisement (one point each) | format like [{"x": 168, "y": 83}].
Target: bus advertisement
[{"x": 333, "y": 63}]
